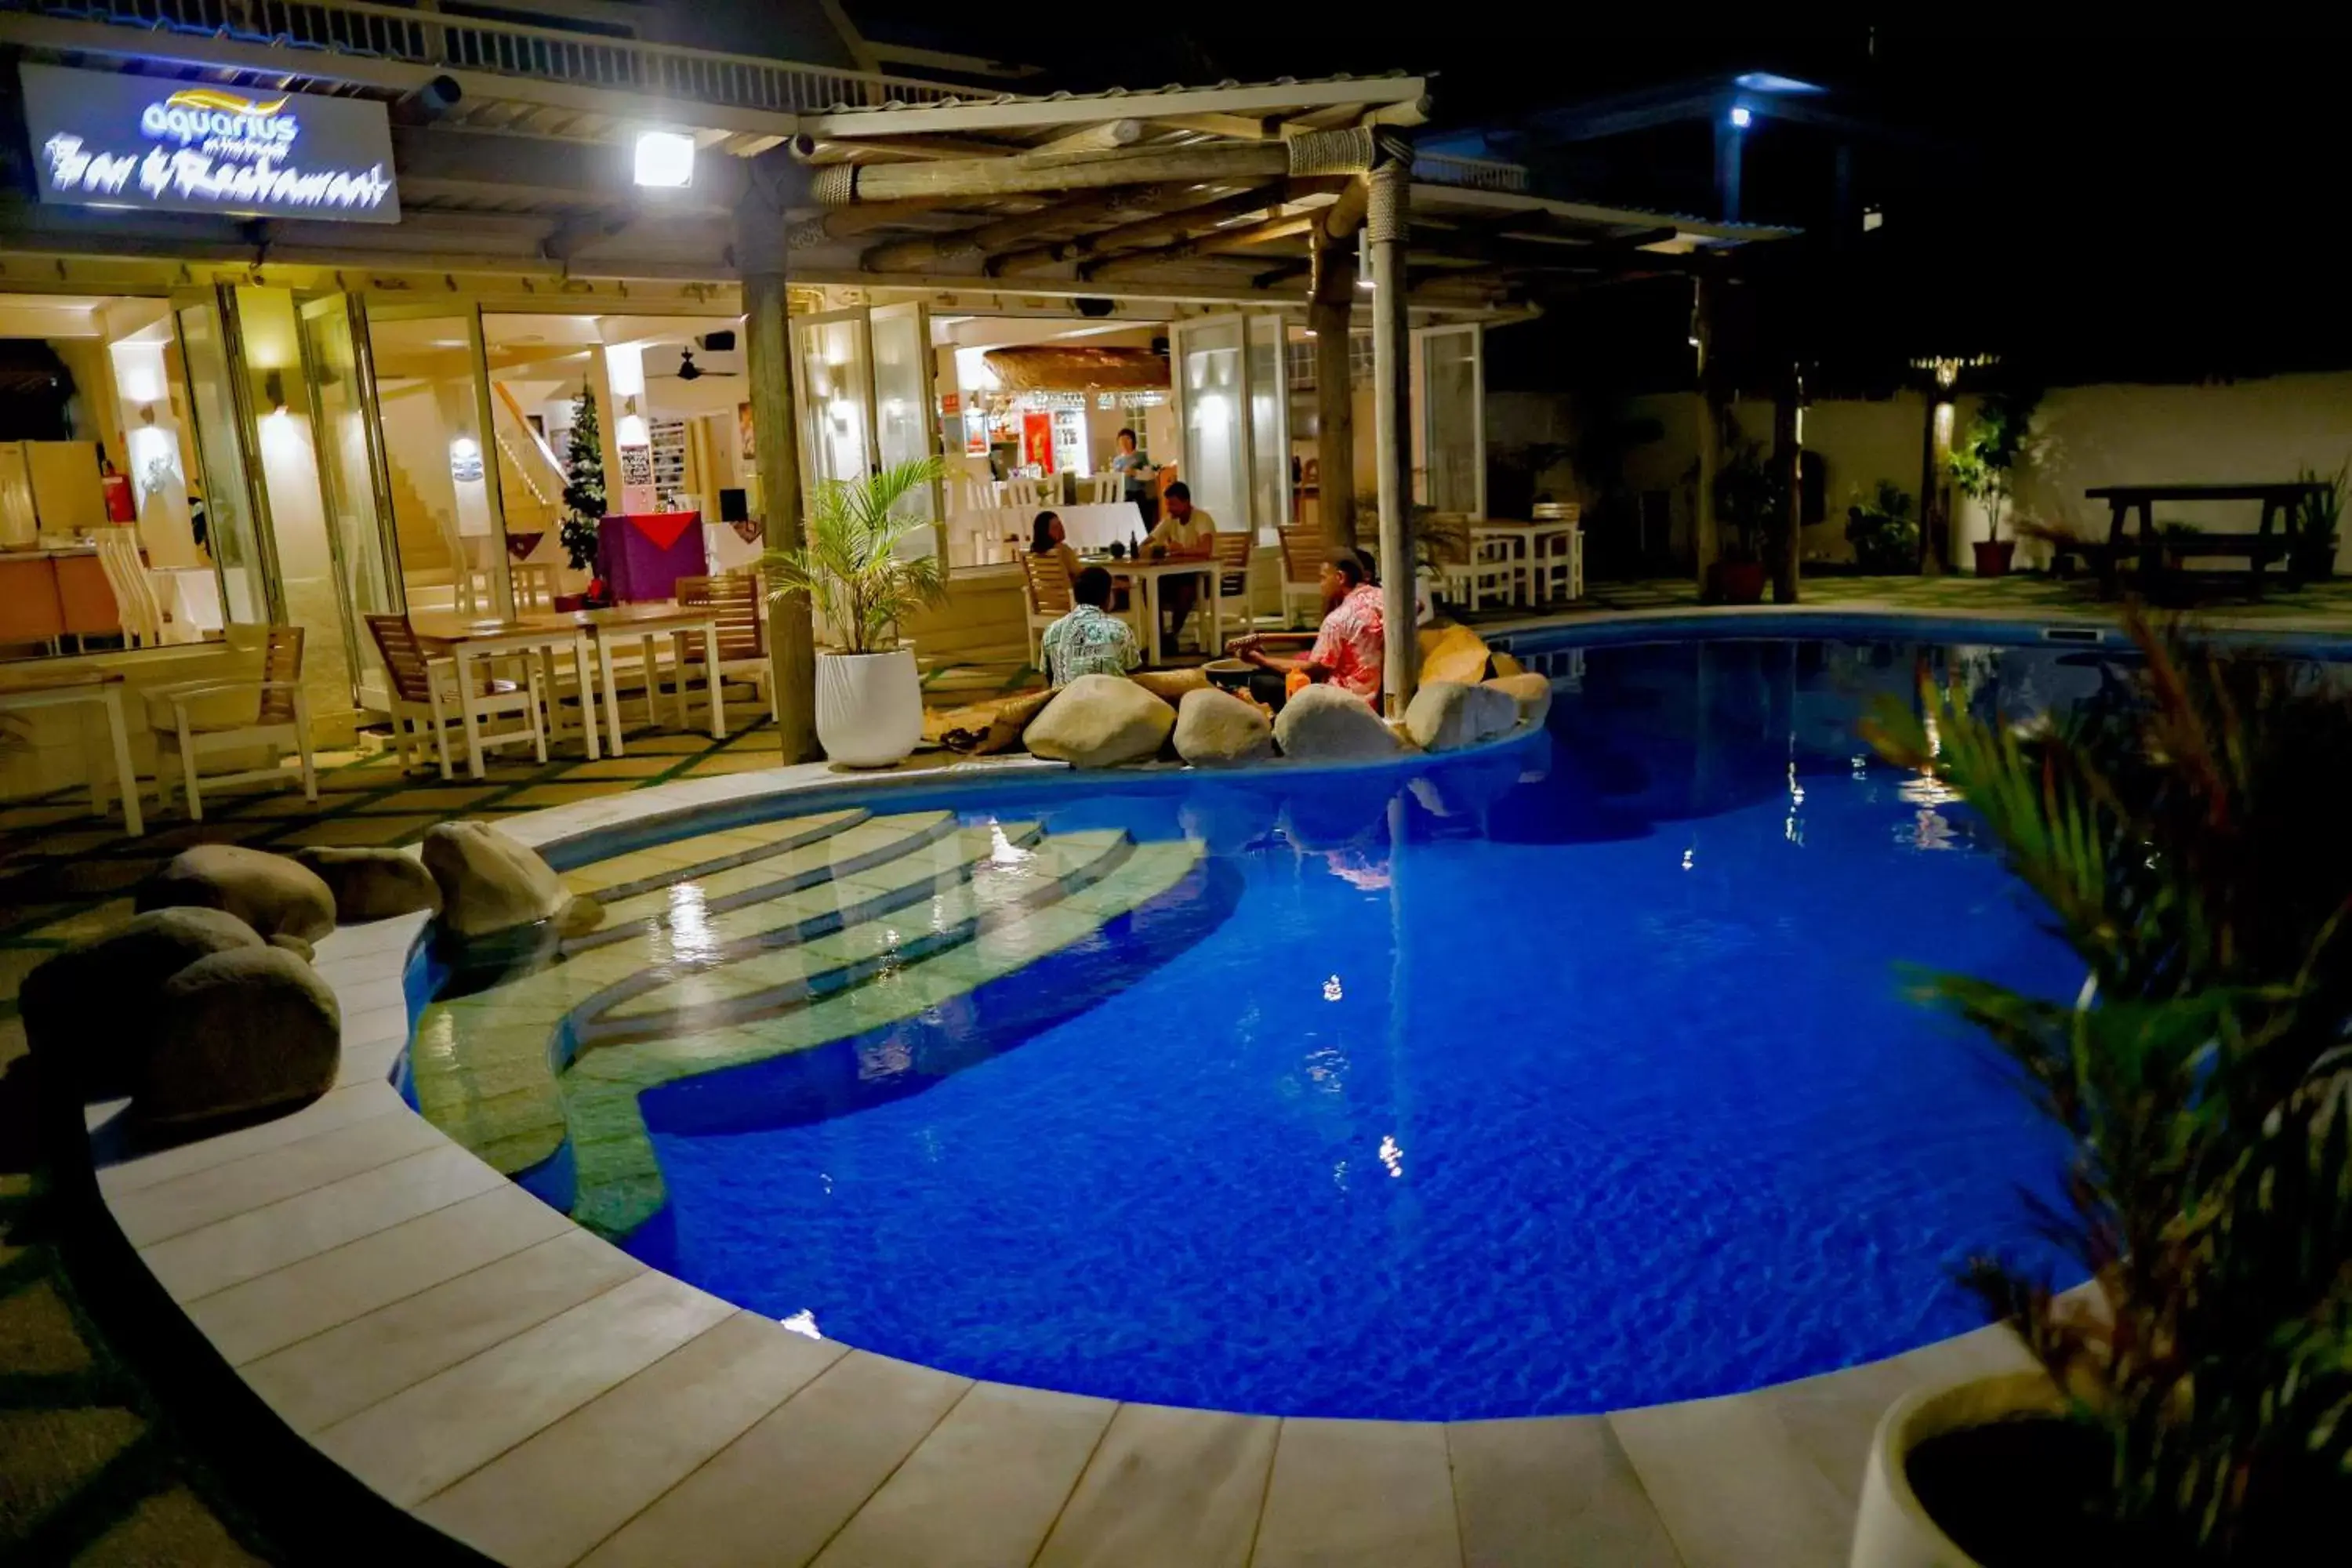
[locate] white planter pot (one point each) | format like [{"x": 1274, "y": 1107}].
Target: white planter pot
[
  {"x": 1892, "y": 1531},
  {"x": 869, "y": 707}
]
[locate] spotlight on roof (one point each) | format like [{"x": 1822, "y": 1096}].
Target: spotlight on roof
[
  {"x": 1742, "y": 117},
  {"x": 665, "y": 159}
]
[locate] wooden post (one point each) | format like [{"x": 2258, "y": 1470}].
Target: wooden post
[
  {"x": 1331, "y": 305},
  {"x": 1788, "y": 462},
  {"x": 760, "y": 258},
  {"x": 1935, "y": 451},
  {"x": 1388, "y": 220},
  {"x": 1706, "y": 531}
]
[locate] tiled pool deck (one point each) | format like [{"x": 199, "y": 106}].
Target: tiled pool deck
[{"x": 525, "y": 1388}]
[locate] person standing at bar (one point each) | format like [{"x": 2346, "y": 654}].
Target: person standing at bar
[{"x": 1138, "y": 470}]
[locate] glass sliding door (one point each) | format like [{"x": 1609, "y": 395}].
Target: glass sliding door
[
  {"x": 1213, "y": 394},
  {"x": 835, "y": 369},
  {"x": 235, "y": 514},
  {"x": 904, "y": 428},
  {"x": 352, "y": 469},
  {"x": 1453, "y": 397},
  {"x": 1269, "y": 420},
  {"x": 432, "y": 386}
]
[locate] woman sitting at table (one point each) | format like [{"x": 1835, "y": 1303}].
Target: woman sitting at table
[{"x": 1046, "y": 537}]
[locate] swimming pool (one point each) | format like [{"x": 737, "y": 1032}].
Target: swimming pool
[{"x": 1563, "y": 1076}]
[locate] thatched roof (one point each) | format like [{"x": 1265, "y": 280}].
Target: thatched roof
[{"x": 1056, "y": 367}]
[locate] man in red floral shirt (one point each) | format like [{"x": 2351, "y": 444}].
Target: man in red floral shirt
[{"x": 1352, "y": 645}]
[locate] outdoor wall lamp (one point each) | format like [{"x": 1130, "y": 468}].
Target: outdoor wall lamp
[
  {"x": 665, "y": 159},
  {"x": 1742, "y": 117}
]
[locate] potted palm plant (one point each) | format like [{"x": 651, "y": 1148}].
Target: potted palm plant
[
  {"x": 2195, "y": 1401},
  {"x": 1749, "y": 499},
  {"x": 862, "y": 586},
  {"x": 1983, "y": 464}
]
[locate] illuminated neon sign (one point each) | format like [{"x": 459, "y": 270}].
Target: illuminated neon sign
[{"x": 107, "y": 140}]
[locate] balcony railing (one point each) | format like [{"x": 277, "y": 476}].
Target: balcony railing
[{"x": 510, "y": 49}]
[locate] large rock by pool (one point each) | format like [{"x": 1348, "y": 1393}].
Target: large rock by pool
[
  {"x": 1100, "y": 721},
  {"x": 1328, "y": 724},
  {"x": 1214, "y": 727},
  {"x": 239, "y": 1032},
  {"x": 373, "y": 884},
  {"x": 490, "y": 881},
  {"x": 271, "y": 893},
  {"x": 92, "y": 1011},
  {"x": 1446, "y": 715}
]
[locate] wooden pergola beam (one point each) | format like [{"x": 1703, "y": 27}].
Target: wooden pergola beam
[
  {"x": 846, "y": 223},
  {"x": 994, "y": 238},
  {"x": 1179, "y": 228},
  {"x": 1239, "y": 162}
]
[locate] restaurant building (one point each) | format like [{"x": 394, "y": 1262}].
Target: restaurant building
[{"x": 309, "y": 296}]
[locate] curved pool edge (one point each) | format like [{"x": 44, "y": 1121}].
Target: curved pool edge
[{"x": 518, "y": 1383}]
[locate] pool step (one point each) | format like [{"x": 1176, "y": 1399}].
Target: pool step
[
  {"x": 824, "y": 857},
  {"x": 483, "y": 1065},
  {"x": 638, "y": 871},
  {"x": 617, "y": 1183},
  {"x": 923, "y": 903}
]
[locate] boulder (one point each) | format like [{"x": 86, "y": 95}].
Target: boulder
[
  {"x": 1329, "y": 724},
  {"x": 271, "y": 893},
  {"x": 241, "y": 1032},
  {"x": 1100, "y": 721},
  {"x": 1504, "y": 664},
  {"x": 373, "y": 884},
  {"x": 1446, "y": 715},
  {"x": 1532, "y": 692},
  {"x": 1214, "y": 727},
  {"x": 1453, "y": 652},
  {"x": 489, "y": 881},
  {"x": 1170, "y": 685},
  {"x": 93, "y": 1008}
]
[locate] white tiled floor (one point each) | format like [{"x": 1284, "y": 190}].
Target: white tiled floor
[{"x": 527, "y": 1387}]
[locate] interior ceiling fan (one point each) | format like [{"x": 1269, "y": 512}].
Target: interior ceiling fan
[{"x": 712, "y": 343}]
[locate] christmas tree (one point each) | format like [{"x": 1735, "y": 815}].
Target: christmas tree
[{"x": 583, "y": 488}]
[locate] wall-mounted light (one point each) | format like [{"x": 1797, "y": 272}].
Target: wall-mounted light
[
  {"x": 665, "y": 159},
  {"x": 1742, "y": 117}
]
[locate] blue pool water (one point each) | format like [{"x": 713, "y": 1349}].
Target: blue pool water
[{"x": 1566, "y": 1078}]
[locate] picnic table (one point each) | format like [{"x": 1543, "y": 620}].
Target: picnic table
[{"x": 2268, "y": 542}]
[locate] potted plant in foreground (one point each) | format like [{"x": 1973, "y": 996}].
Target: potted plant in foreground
[
  {"x": 2194, "y": 1404},
  {"x": 1983, "y": 464},
  {"x": 869, "y": 700},
  {"x": 1748, "y": 498}
]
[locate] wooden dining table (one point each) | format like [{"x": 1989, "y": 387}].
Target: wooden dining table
[
  {"x": 471, "y": 639},
  {"x": 645, "y": 623},
  {"x": 1147, "y": 576},
  {"x": 23, "y": 690}
]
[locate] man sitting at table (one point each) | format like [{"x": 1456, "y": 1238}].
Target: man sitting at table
[
  {"x": 1186, "y": 534},
  {"x": 1089, "y": 640},
  {"x": 1352, "y": 645}
]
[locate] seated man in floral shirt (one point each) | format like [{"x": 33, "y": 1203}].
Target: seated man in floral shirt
[
  {"x": 1351, "y": 646},
  {"x": 1089, "y": 640}
]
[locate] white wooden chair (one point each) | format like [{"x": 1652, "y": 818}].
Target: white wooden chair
[
  {"x": 1100, "y": 489},
  {"x": 1045, "y": 598},
  {"x": 278, "y": 721},
  {"x": 427, "y": 700},
  {"x": 135, "y": 601},
  {"x": 1302, "y": 569},
  {"x": 1028, "y": 495},
  {"x": 742, "y": 643},
  {"x": 1235, "y": 552},
  {"x": 1556, "y": 571}
]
